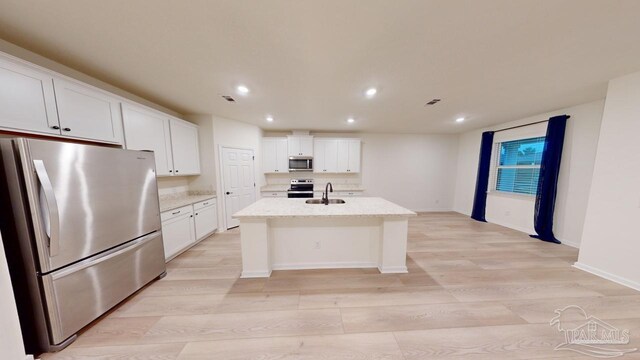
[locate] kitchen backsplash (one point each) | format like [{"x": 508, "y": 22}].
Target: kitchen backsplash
[{"x": 274, "y": 179}]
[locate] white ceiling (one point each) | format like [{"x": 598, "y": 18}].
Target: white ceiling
[{"x": 308, "y": 62}]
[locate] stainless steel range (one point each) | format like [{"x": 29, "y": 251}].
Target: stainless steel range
[{"x": 301, "y": 188}]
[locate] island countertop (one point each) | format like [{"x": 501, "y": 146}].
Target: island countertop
[{"x": 354, "y": 206}]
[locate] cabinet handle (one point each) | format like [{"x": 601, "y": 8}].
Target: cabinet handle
[
  {"x": 55, "y": 127},
  {"x": 176, "y": 171},
  {"x": 196, "y": 214},
  {"x": 170, "y": 170},
  {"x": 67, "y": 129},
  {"x": 228, "y": 193},
  {"x": 175, "y": 213},
  {"x": 191, "y": 216},
  {"x": 205, "y": 203}
]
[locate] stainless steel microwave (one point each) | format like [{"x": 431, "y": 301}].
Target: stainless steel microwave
[{"x": 300, "y": 163}]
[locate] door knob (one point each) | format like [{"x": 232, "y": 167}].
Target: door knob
[{"x": 228, "y": 193}]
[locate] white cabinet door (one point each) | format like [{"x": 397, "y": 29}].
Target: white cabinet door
[
  {"x": 282, "y": 194},
  {"x": 87, "y": 113},
  {"x": 306, "y": 145},
  {"x": 147, "y": 130},
  {"x": 319, "y": 158},
  {"x": 326, "y": 159},
  {"x": 293, "y": 146},
  {"x": 269, "y": 155},
  {"x": 282, "y": 157},
  {"x": 354, "y": 156},
  {"x": 27, "y": 100},
  {"x": 348, "y": 155},
  {"x": 206, "y": 220},
  {"x": 300, "y": 145},
  {"x": 184, "y": 146},
  {"x": 177, "y": 234}
]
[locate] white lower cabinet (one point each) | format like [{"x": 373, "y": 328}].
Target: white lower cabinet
[
  {"x": 206, "y": 218},
  {"x": 282, "y": 194},
  {"x": 183, "y": 227},
  {"x": 349, "y": 193},
  {"x": 178, "y": 230}
]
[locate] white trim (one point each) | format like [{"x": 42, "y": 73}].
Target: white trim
[
  {"x": 513, "y": 227},
  {"x": 393, "y": 270},
  {"x": 570, "y": 243},
  {"x": 608, "y": 276},
  {"x": 329, "y": 265},
  {"x": 255, "y": 274},
  {"x": 512, "y": 195}
]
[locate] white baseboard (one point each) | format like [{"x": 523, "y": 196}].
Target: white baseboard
[
  {"x": 330, "y": 265},
  {"x": 606, "y": 275},
  {"x": 570, "y": 243},
  {"x": 255, "y": 274},
  {"x": 393, "y": 270}
]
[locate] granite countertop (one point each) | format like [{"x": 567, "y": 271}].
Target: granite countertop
[
  {"x": 283, "y": 208},
  {"x": 317, "y": 187},
  {"x": 174, "y": 202}
]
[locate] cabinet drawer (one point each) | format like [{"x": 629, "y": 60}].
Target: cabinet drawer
[
  {"x": 274, "y": 194},
  {"x": 350, "y": 193},
  {"x": 171, "y": 214},
  {"x": 204, "y": 203}
]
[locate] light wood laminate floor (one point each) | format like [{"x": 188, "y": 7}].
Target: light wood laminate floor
[{"x": 473, "y": 291}]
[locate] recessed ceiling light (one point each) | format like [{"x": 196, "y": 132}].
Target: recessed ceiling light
[
  {"x": 460, "y": 119},
  {"x": 270, "y": 118},
  {"x": 351, "y": 120},
  {"x": 242, "y": 90},
  {"x": 371, "y": 92}
]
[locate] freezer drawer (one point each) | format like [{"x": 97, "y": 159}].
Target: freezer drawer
[{"x": 82, "y": 292}]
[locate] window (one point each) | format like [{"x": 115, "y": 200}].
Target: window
[{"x": 518, "y": 165}]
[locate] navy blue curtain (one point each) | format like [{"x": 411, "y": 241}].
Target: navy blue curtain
[
  {"x": 548, "y": 180},
  {"x": 482, "y": 181}
]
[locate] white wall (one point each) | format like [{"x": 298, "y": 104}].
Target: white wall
[
  {"x": 235, "y": 134},
  {"x": 578, "y": 158},
  {"x": 10, "y": 335},
  {"x": 414, "y": 171},
  {"x": 610, "y": 244}
]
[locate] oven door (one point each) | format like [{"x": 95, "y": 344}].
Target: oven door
[
  {"x": 300, "y": 164},
  {"x": 299, "y": 194}
]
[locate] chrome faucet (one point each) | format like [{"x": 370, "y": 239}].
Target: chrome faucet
[{"x": 325, "y": 194}]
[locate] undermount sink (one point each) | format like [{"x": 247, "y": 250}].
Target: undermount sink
[{"x": 319, "y": 201}]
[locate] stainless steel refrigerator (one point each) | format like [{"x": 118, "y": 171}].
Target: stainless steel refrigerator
[{"x": 81, "y": 227}]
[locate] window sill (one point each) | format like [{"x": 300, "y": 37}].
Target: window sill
[{"x": 512, "y": 195}]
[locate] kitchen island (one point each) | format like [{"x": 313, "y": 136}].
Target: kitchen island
[{"x": 289, "y": 234}]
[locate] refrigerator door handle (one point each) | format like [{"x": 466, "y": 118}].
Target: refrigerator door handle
[{"x": 52, "y": 207}]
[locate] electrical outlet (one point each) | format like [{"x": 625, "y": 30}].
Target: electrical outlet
[{"x": 317, "y": 244}]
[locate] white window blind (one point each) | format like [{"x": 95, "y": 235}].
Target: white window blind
[{"x": 518, "y": 165}]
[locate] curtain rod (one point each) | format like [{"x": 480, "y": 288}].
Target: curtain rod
[{"x": 519, "y": 126}]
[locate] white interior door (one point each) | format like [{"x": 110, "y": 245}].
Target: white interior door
[{"x": 239, "y": 183}]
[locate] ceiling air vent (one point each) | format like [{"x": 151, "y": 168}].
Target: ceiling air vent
[
  {"x": 433, "y": 102},
  {"x": 228, "y": 98}
]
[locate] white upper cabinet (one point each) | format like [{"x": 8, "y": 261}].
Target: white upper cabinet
[
  {"x": 184, "y": 145},
  {"x": 326, "y": 156},
  {"x": 348, "y": 155},
  {"x": 275, "y": 158},
  {"x": 27, "y": 100},
  {"x": 147, "y": 130},
  {"x": 87, "y": 113},
  {"x": 300, "y": 145}
]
